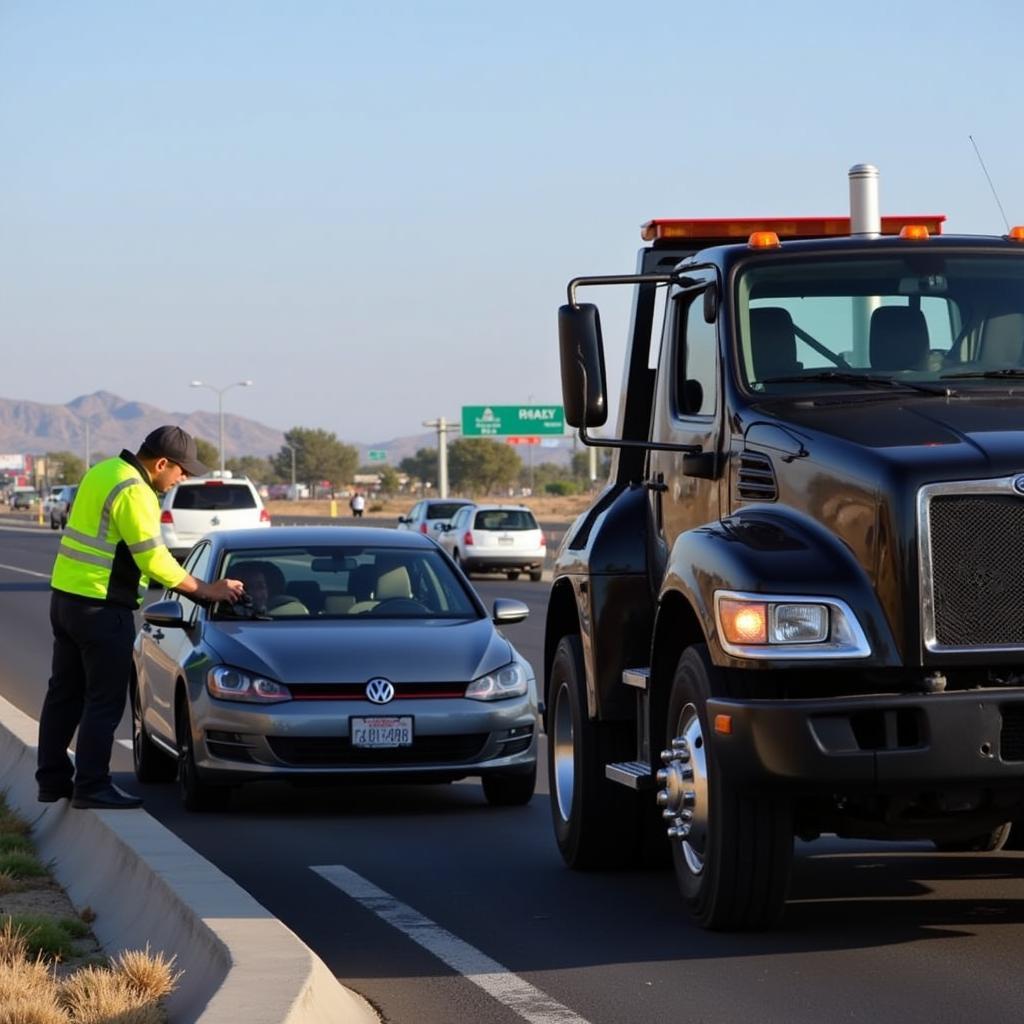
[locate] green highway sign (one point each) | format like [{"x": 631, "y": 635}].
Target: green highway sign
[
  {"x": 378, "y": 455},
  {"x": 502, "y": 420}
]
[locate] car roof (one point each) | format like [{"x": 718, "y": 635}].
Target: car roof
[
  {"x": 303, "y": 536},
  {"x": 509, "y": 508}
]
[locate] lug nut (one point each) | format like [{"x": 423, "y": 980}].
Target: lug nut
[
  {"x": 689, "y": 798},
  {"x": 662, "y": 798},
  {"x": 679, "y": 743},
  {"x": 662, "y": 776},
  {"x": 668, "y": 755},
  {"x": 687, "y": 772},
  {"x": 668, "y": 814},
  {"x": 686, "y": 816}
]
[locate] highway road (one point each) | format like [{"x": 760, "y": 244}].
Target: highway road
[{"x": 439, "y": 908}]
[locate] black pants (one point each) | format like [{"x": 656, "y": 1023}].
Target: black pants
[{"x": 92, "y": 662}]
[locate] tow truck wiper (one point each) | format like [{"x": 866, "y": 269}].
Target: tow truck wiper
[
  {"x": 1013, "y": 371},
  {"x": 863, "y": 380}
]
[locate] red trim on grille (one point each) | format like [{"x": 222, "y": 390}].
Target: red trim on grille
[{"x": 357, "y": 691}]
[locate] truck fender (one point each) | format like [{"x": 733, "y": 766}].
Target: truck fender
[{"x": 772, "y": 550}]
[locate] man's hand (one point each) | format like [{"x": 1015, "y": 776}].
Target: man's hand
[{"x": 221, "y": 590}]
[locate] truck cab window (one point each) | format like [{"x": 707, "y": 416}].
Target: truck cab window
[{"x": 694, "y": 359}]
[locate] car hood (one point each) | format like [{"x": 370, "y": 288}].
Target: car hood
[{"x": 423, "y": 651}]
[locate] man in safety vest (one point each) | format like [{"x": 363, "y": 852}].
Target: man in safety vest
[{"x": 111, "y": 548}]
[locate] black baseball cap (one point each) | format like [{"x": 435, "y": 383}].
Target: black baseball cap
[{"x": 177, "y": 445}]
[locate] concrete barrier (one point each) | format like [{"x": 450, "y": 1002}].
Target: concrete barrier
[{"x": 146, "y": 886}]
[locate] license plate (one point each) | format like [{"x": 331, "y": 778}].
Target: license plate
[
  {"x": 383, "y": 731},
  {"x": 505, "y": 540}
]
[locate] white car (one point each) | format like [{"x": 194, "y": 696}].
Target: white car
[
  {"x": 206, "y": 504},
  {"x": 429, "y": 515},
  {"x": 496, "y": 538}
]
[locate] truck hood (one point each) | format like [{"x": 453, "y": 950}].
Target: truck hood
[{"x": 424, "y": 651}]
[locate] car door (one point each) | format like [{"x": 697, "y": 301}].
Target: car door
[{"x": 164, "y": 651}]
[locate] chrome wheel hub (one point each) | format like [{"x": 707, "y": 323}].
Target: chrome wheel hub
[
  {"x": 683, "y": 792},
  {"x": 562, "y": 758}
]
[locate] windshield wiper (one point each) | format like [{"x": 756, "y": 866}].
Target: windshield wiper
[
  {"x": 862, "y": 380},
  {"x": 1013, "y": 371}
]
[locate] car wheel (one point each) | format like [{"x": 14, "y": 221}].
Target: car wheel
[
  {"x": 63, "y": 522},
  {"x": 196, "y": 795},
  {"x": 512, "y": 575},
  {"x": 597, "y": 821},
  {"x": 151, "y": 763},
  {"x": 457, "y": 558},
  {"x": 53, "y": 523},
  {"x": 985, "y": 842},
  {"x": 731, "y": 851},
  {"x": 510, "y": 789},
  {"x": 536, "y": 575}
]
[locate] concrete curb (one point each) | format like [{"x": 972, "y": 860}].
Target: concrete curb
[{"x": 147, "y": 886}]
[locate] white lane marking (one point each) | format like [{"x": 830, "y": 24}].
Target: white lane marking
[
  {"x": 27, "y": 572},
  {"x": 496, "y": 980}
]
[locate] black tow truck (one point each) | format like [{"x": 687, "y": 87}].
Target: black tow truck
[{"x": 797, "y": 607}]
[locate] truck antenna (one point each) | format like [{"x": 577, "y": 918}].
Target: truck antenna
[{"x": 995, "y": 195}]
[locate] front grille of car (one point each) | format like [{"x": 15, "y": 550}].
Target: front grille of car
[
  {"x": 357, "y": 691},
  {"x": 338, "y": 752},
  {"x": 1011, "y": 738},
  {"x": 976, "y": 584}
]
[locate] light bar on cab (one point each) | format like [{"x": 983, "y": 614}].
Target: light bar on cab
[{"x": 720, "y": 229}]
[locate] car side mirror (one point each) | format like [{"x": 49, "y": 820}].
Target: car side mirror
[
  {"x": 404, "y": 519},
  {"x": 584, "y": 394},
  {"x": 506, "y": 611},
  {"x": 168, "y": 614}
]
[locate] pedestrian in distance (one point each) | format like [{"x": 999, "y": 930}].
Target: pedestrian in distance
[
  {"x": 357, "y": 503},
  {"x": 110, "y": 549}
]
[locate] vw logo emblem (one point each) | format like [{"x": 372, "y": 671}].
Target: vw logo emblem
[
  {"x": 380, "y": 691},
  {"x": 1018, "y": 484}
]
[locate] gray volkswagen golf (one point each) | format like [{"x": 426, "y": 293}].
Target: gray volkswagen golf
[{"x": 356, "y": 653}]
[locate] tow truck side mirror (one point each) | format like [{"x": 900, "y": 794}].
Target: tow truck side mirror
[
  {"x": 584, "y": 394},
  {"x": 710, "y": 303}
]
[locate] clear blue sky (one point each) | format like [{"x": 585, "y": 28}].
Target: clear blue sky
[{"x": 372, "y": 209}]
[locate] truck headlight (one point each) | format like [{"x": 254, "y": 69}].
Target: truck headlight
[{"x": 770, "y": 626}]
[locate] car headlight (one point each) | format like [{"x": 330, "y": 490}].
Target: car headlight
[
  {"x": 777, "y": 626},
  {"x": 509, "y": 681},
  {"x": 230, "y": 684}
]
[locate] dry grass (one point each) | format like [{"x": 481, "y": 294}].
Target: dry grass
[{"x": 9, "y": 884}]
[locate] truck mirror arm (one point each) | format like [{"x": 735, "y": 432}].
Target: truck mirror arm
[{"x": 619, "y": 442}]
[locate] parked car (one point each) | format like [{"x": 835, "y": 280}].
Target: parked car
[
  {"x": 496, "y": 538},
  {"x": 24, "y": 499},
  {"x": 51, "y": 496},
  {"x": 204, "y": 504},
  {"x": 429, "y": 515},
  {"x": 60, "y": 506},
  {"x": 334, "y": 668}
]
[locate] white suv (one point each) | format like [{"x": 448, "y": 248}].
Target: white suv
[
  {"x": 207, "y": 503},
  {"x": 496, "y": 538}
]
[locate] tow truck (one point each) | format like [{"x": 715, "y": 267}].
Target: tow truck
[{"x": 797, "y": 606}]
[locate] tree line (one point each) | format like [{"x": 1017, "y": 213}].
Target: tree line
[{"x": 476, "y": 466}]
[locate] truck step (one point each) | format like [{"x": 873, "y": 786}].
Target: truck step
[
  {"x": 634, "y": 774},
  {"x": 638, "y": 677}
]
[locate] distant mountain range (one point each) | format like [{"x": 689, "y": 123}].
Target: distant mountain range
[{"x": 114, "y": 423}]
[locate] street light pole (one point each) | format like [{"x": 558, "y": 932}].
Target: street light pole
[
  {"x": 220, "y": 407},
  {"x": 443, "y": 428},
  {"x": 291, "y": 448}
]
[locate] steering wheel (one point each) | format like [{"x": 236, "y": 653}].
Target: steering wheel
[{"x": 399, "y": 604}]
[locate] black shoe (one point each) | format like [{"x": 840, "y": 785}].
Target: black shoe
[
  {"x": 51, "y": 796},
  {"x": 109, "y": 798}
]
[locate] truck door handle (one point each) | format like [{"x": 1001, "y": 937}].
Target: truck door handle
[{"x": 658, "y": 486}]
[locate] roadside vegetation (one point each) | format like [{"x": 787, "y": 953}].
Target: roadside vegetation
[{"x": 51, "y": 968}]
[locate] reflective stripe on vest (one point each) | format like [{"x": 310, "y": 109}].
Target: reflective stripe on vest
[
  {"x": 75, "y": 555},
  {"x": 100, "y": 542}
]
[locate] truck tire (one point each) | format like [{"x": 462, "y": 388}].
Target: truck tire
[
  {"x": 985, "y": 842},
  {"x": 731, "y": 850},
  {"x": 150, "y": 762},
  {"x": 597, "y": 822}
]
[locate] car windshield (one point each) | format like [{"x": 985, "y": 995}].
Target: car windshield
[
  {"x": 346, "y": 582},
  {"x": 923, "y": 322},
  {"x": 213, "y": 495},
  {"x": 504, "y": 519},
  {"x": 443, "y": 509}
]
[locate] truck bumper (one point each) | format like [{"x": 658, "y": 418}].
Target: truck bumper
[{"x": 872, "y": 743}]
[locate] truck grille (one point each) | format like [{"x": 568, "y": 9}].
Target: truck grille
[{"x": 977, "y": 574}]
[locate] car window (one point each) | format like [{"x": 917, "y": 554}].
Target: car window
[
  {"x": 198, "y": 564},
  {"x": 344, "y": 582},
  {"x": 214, "y": 496},
  {"x": 443, "y": 509},
  {"x": 505, "y": 519}
]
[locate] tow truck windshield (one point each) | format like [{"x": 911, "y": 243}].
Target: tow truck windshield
[{"x": 882, "y": 321}]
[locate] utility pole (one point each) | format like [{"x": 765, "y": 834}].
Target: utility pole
[
  {"x": 295, "y": 491},
  {"x": 443, "y": 427}
]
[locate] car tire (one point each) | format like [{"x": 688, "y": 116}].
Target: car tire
[
  {"x": 196, "y": 795},
  {"x": 985, "y": 842},
  {"x": 53, "y": 523},
  {"x": 510, "y": 789},
  {"x": 597, "y": 822},
  {"x": 512, "y": 575},
  {"x": 457, "y": 559},
  {"x": 150, "y": 762},
  {"x": 536, "y": 575},
  {"x": 63, "y": 522},
  {"x": 731, "y": 850}
]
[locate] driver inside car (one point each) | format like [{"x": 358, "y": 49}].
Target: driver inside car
[{"x": 264, "y": 584}]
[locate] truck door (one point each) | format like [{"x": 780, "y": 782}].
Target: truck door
[{"x": 687, "y": 411}]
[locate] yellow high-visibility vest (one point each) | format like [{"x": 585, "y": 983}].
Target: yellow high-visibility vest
[{"x": 112, "y": 544}]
